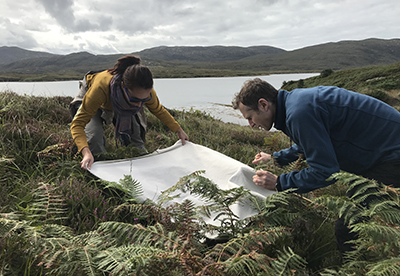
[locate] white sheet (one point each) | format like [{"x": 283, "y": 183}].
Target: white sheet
[{"x": 162, "y": 169}]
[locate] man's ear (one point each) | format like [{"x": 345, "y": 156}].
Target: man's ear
[{"x": 263, "y": 104}]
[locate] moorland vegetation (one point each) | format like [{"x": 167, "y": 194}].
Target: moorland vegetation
[{"x": 56, "y": 219}]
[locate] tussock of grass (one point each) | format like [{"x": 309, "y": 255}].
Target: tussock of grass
[{"x": 92, "y": 220}]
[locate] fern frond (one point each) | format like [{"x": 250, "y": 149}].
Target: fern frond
[
  {"x": 31, "y": 234},
  {"x": 69, "y": 255},
  {"x": 195, "y": 184},
  {"x": 393, "y": 193},
  {"x": 378, "y": 233},
  {"x": 339, "y": 207},
  {"x": 345, "y": 177},
  {"x": 131, "y": 259},
  {"x": 248, "y": 264},
  {"x": 71, "y": 259},
  {"x": 244, "y": 255},
  {"x": 132, "y": 188},
  {"x": 359, "y": 188},
  {"x": 387, "y": 267},
  {"x": 277, "y": 199},
  {"x": 333, "y": 272},
  {"x": 155, "y": 236},
  {"x": 368, "y": 199},
  {"x": 217, "y": 202},
  {"x": 168, "y": 194},
  {"x": 177, "y": 243},
  {"x": 10, "y": 216},
  {"x": 9, "y": 226},
  {"x": 147, "y": 211},
  {"x": 55, "y": 237},
  {"x": 331, "y": 203},
  {"x": 361, "y": 185},
  {"x": 281, "y": 209},
  {"x": 48, "y": 241},
  {"x": 274, "y": 218},
  {"x": 185, "y": 216},
  {"x": 205, "y": 189},
  {"x": 288, "y": 262},
  {"x": 257, "y": 203},
  {"x": 245, "y": 244},
  {"x": 387, "y": 211},
  {"x": 94, "y": 238},
  {"x": 47, "y": 205}
]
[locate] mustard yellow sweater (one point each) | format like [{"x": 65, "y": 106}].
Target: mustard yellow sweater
[{"x": 98, "y": 96}]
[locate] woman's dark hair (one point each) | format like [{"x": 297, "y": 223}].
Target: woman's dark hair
[{"x": 133, "y": 73}]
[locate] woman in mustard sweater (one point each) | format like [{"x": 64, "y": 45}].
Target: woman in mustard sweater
[{"x": 116, "y": 95}]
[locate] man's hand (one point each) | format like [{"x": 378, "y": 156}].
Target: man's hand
[
  {"x": 182, "y": 135},
  {"x": 261, "y": 157},
  {"x": 265, "y": 179},
  {"x": 87, "y": 159}
]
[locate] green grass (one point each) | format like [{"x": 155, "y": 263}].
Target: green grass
[
  {"x": 382, "y": 82},
  {"x": 57, "y": 219}
]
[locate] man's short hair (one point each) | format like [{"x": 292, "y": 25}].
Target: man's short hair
[{"x": 252, "y": 91}]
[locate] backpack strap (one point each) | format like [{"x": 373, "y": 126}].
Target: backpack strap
[{"x": 83, "y": 88}]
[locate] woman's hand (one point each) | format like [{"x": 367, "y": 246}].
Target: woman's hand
[
  {"x": 261, "y": 157},
  {"x": 265, "y": 179},
  {"x": 87, "y": 159},
  {"x": 182, "y": 135}
]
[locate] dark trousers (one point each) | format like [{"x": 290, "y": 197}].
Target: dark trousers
[{"x": 388, "y": 174}]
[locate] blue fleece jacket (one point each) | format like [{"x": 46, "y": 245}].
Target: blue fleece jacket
[{"x": 336, "y": 129}]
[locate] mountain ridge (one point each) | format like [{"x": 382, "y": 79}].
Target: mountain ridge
[
  {"x": 9, "y": 54},
  {"x": 169, "y": 61}
]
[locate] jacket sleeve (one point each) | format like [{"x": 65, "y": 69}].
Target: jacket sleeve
[
  {"x": 161, "y": 113},
  {"x": 95, "y": 97},
  {"x": 286, "y": 156},
  {"x": 311, "y": 132}
]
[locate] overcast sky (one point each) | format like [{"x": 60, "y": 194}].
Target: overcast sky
[{"x": 125, "y": 26}]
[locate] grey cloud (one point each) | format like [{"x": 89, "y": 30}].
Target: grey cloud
[
  {"x": 62, "y": 11},
  {"x": 146, "y": 15},
  {"x": 130, "y": 25},
  {"x": 95, "y": 48},
  {"x": 14, "y": 35},
  {"x": 133, "y": 26},
  {"x": 111, "y": 38},
  {"x": 102, "y": 24}
]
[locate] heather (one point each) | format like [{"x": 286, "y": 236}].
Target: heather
[{"x": 57, "y": 219}]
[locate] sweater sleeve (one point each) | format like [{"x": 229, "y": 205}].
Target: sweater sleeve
[
  {"x": 97, "y": 96},
  {"x": 286, "y": 156},
  {"x": 161, "y": 113},
  {"x": 311, "y": 134}
]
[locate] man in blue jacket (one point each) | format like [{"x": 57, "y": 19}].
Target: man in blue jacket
[{"x": 334, "y": 128}]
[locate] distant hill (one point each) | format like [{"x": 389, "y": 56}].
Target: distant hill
[
  {"x": 206, "y": 54},
  {"x": 76, "y": 62},
  {"x": 158, "y": 56},
  {"x": 12, "y": 54},
  {"x": 335, "y": 56},
  {"x": 197, "y": 61}
]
